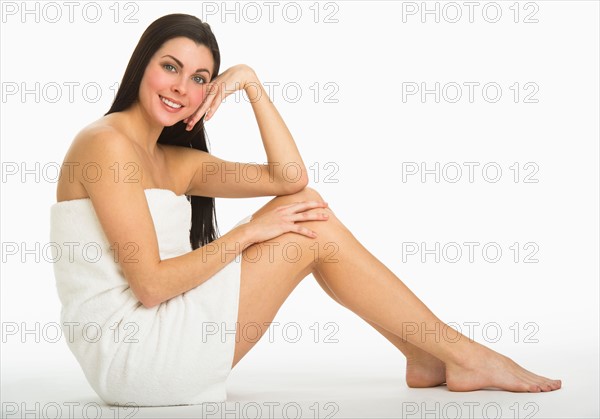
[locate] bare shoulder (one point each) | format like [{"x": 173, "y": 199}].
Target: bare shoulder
[
  {"x": 108, "y": 168},
  {"x": 100, "y": 137},
  {"x": 95, "y": 149}
]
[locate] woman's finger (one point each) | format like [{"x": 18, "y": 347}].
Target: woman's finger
[
  {"x": 211, "y": 110},
  {"x": 307, "y": 216},
  {"x": 216, "y": 102},
  {"x": 206, "y": 105},
  {"x": 190, "y": 121},
  {"x": 305, "y": 231},
  {"x": 193, "y": 120},
  {"x": 286, "y": 205},
  {"x": 305, "y": 204}
]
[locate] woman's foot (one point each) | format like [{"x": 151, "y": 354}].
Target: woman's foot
[
  {"x": 425, "y": 370},
  {"x": 486, "y": 368}
]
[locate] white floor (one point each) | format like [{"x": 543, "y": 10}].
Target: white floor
[
  {"x": 348, "y": 388},
  {"x": 349, "y": 371}
]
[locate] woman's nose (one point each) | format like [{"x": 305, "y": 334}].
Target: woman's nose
[{"x": 179, "y": 86}]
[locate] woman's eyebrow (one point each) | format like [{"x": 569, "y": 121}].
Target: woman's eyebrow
[{"x": 180, "y": 64}]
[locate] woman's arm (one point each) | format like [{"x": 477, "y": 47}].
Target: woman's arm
[
  {"x": 122, "y": 209},
  {"x": 177, "y": 275},
  {"x": 282, "y": 153},
  {"x": 285, "y": 164}
]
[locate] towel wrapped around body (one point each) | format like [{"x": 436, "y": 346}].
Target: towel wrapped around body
[{"x": 177, "y": 353}]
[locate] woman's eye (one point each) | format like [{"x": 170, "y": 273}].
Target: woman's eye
[
  {"x": 199, "y": 79},
  {"x": 169, "y": 67}
]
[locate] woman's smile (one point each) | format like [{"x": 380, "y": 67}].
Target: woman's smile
[{"x": 171, "y": 105}]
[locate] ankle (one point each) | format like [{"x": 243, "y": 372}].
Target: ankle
[{"x": 469, "y": 355}]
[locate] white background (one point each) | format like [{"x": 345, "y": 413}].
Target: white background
[{"x": 368, "y": 136}]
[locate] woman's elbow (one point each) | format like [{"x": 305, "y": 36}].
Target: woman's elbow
[
  {"x": 149, "y": 303},
  {"x": 144, "y": 293},
  {"x": 295, "y": 186},
  {"x": 144, "y": 297}
]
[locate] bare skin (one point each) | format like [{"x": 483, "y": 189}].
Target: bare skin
[
  {"x": 364, "y": 285},
  {"x": 355, "y": 278}
]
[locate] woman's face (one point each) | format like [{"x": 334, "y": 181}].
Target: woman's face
[{"x": 174, "y": 83}]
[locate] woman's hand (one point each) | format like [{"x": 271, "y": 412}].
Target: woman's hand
[
  {"x": 284, "y": 219},
  {"x": 226, "y": 83}
]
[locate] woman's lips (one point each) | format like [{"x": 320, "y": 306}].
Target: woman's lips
[{"x": 170, "y": 105}]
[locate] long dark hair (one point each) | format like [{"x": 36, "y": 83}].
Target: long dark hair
[{"x": 204, "y": 220}]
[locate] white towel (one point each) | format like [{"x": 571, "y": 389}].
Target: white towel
[{"x": 177, "y": 353}]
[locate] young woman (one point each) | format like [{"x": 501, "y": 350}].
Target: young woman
[{"x": 186, "y": 290}]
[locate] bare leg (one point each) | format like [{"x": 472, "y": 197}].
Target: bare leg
[
  {"x": 372, "y": 291},
  {"x": 422, "y": 368}
]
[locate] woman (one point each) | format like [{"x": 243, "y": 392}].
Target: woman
[{"x": 183, "y": 306}]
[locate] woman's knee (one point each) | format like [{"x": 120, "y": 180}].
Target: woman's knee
[
  {"x": 306, "y": 194},
  {"x": 311, "y": 194}
]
